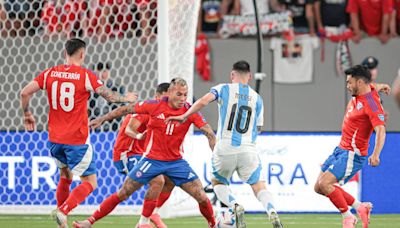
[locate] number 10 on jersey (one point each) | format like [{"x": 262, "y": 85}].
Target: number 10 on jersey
[{"x": 238, "y": 126}]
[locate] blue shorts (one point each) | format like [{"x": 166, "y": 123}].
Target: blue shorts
[
  {"x": 343, "y": 164},
  {"x": 125, "y": 165},
  {"x": 80, "y": 159},
  {"x": 178, "y": 171}
]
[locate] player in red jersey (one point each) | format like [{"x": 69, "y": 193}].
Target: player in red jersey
[
  {"x": 363, "y": 115},
  {"x": 68, "y": 88},
  {"x": 128, "y": 150},
  {"x": 163, "y": 152}
]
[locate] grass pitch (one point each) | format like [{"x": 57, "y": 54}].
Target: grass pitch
[{"x": 253, "y": 221}]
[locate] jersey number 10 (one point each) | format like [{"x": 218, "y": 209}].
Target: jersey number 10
[
  {"x": 67, "y": 92},
  {"x": 238, "y": 125}
]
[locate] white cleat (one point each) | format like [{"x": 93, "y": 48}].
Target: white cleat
[
  {"x": 239, "y": 213},
  {"x": 274, "y": 218},
  {"x": 60, "y": 218}
]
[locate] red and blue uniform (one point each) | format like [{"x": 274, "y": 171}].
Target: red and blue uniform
[
  {"x": 68, "y": 89},
  {"x": 363, "y": 114},
  {"x": 164, "y": 143}
]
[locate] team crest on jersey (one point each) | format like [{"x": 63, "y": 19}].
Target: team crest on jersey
[
  {"x": 359, "y": 105},
  {"x": 381, "y": 117},
  {"x": 138, "y": 174}
]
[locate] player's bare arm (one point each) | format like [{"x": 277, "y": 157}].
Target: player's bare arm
[
  {"x": 118, "y": 112},
  {"x": 380, "y": 132},
  {"x": 209, "y": 133},
  {"x": 131, "y": 129},
  {"x": 26, "y": 93},
  {"x": 116, "y": 97},
  {"x": 197, "y": 106}
]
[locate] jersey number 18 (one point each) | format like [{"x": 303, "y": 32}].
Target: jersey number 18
[{"x": 67, "y": 92}]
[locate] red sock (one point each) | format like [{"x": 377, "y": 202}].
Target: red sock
[
  {"x": 105, "y": 208},
  {"x": 162, "y": 198},
  {"x": 62, "y": 191},
  {"x": 148, "y": 207},
  {"x": 338, "y": 200},
  {"x": 76, "y": 197},
  {"x": 349, "y": 198},
  {"x": 208, "y": 213}
]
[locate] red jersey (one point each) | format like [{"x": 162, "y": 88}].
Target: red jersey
[
  {"x": 164, "y": 141},
  {"x": 68, "y": 89},
  {"x": 371, "y": 13},
  {"x": 363, "y": 114},
  {"x": 126, "y": 146}
]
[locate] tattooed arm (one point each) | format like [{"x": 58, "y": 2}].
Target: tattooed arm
[
  {"x": 118, "y": 112},
  {"x": 115, "y": 97},
  {"x": 209, "y": 133}
]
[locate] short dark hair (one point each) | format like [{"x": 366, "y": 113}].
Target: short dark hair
[
  {"x": 359, "y": 72},
  {"x": 162, "y": 88},
  {"x": 73, "y": 45},
  {"x": 241, "y": 67}
]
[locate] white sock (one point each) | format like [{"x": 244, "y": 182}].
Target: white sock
[
  {"x": 266, "y": 199},
  {"x": 144, "y": 220},
  {"x": 356, "y": 204},
  {"x": 223, "y": 194},
  {"x": 156, "y": 210},
  {"x": 347, "y": 214}
]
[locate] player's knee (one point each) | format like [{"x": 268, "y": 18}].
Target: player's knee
[{"x": 157, "y": 182}]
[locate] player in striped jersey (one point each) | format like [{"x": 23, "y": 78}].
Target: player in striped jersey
[{"x": 241, "y": 113}]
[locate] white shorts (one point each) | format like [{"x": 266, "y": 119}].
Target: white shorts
[{"x": 247, "y": 165}]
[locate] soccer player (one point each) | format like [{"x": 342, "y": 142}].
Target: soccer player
[
  {"x": 364, "y": 114},
  {"x": 128, "y": 150},
  {"x": 163, "y": 152},
  {"x": 68, "y": 88},
  {"x": 241, "y": 113}
]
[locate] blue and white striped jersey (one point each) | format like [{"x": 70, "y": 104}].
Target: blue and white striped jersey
[{"x": 241, "y": 110}]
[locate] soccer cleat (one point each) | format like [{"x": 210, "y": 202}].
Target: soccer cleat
[
  {"x": 364, "y": 212},
  {"x": 239, "y": 214},
  {"x": 82, "y": 224},
  {"x": 350, "y": 222},
  {"x": 143, "y": 226},
  {"x": 156, "y": 219},
  {"x": 274, "y": 218},
  {"x": 60, "y": 218}
]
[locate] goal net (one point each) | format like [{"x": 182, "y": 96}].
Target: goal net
[{"x": 132, "y": 45}]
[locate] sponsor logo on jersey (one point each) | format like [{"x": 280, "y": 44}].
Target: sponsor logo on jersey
[{"x": 359, "y": 105}]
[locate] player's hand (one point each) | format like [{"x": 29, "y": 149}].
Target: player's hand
[
  {"x": 141, "y": 136},
  {"x": 131, "y": 97},
  {"x": 385, "y": 88},
  {"x": 29, "y": 121},
  {"x": 357, "y": 37},
  {"x": 384, "y": 38},
  {"x": 179, "y": 119},
  {"x": 374, "y": 160},
  {"x": 96, "y": 123}
]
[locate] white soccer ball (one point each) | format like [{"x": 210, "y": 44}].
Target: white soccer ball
[{"x": 226, "y": 218}]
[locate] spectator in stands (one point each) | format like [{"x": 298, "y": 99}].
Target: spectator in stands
[
  {"x": 210, "y": 15},
  {"x": 330, "y": 13},
  {"x": 302, "y": 13},
  {"x": 145, "y": 12},
  {"x": 98, "y": 105},
  {"x": 395, "y": 20},
  {"x": 371, "y": 16},
  {"x": 111, "y": 19},
  {"x": 245, "y": 7},
  {"x": 3, "y": 17},
  {"x": 69, "y": 17}
]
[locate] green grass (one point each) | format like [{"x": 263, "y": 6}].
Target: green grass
[{"x": 289, "y": 220}]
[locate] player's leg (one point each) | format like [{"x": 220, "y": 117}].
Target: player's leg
[
  {"x": 183, "y": 176},
  {"x": 223, "y": 167},
  {"x": 163, "y": 197},
  {"x": 150, "y": 199}
]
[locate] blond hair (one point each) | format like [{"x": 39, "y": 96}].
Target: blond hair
[{"x": 177, "y": 81}]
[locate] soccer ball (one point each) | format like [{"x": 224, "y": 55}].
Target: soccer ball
[{"x": 226, "y": 218}]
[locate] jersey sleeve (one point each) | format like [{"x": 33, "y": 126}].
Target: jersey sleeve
[
  {"x": 260, "y": 111},
  {"x": 375, "y": 111},
  {"x": 41, "y": 78},
  {"x": 92, "y": 82},
  {"x": 143, "y": 119},
  {"x": 198, "y": 120},
  {"x": 146, "y": 107},
  {"x": 216, "y": 90},
  {"x": 352, "y": 6}
]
